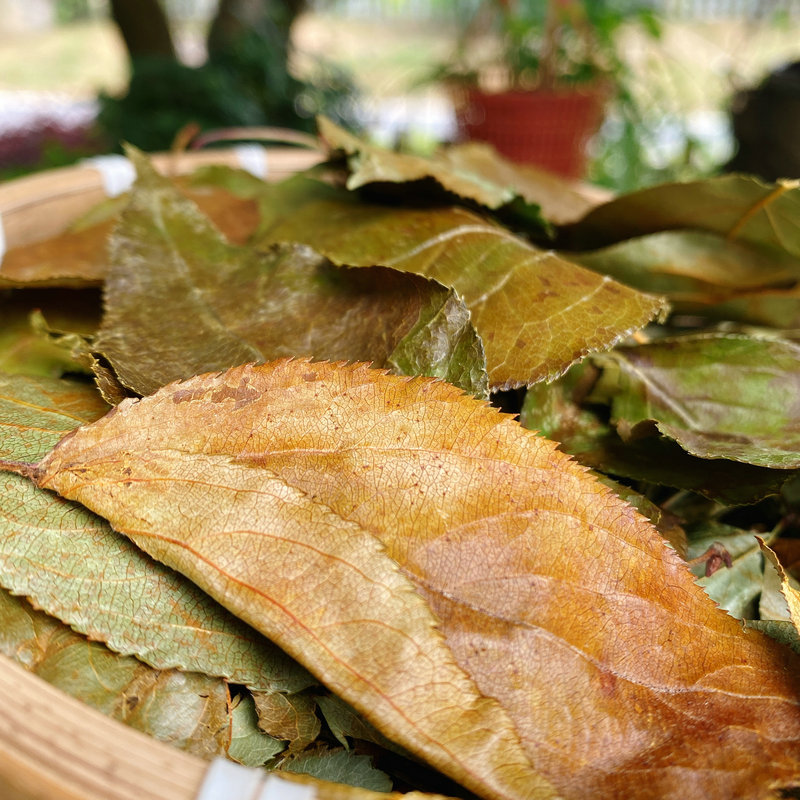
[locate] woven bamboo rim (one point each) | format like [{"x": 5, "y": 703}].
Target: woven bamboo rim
[
  {"x": 42, "y": 205},
  {"x": 53, "y": 747}
]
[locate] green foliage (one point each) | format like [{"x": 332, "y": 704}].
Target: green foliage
[
  {"x": 248, "y": 84},
  {"x": 72, "y": 10},
  {"x": 545, "y": 43}
]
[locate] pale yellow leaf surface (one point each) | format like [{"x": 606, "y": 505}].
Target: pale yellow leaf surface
[
  {"x": 790, "y": 594},
  {"x": 343, "y": 511}
]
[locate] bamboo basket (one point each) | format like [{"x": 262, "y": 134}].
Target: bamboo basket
[
  {"x": 53, "y": 747},
  {"x": 42, "y": 205}
]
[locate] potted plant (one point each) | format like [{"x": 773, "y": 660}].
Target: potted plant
[{"x": 533, "y": 77}]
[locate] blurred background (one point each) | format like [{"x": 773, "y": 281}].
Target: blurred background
[{"x": 689, "y": 87}]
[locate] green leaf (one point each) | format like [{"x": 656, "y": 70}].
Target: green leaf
[
  {"x": 75, "y": 567},
  {"x": 443, "y": 344},
  {"x": 780, "y": 630},
  {"x": 718, "y": 395},
  {"x": 249, "y": 744},
  {"x": 561, "y": 412},
  {"x": 183, "y": 708},
  {"x": 736, "y": 588},
  {"x": 738, "y": 207},
  {"x": 229, "y": 305},
  {"x": 692, "y": 268},
  {"x": 36, "y": 413},
  {"x": 340, "y": 766},
  {"x": 26, "y": 349},
  {"x": 346, "y": 723},
  {"x": 535, "y": 312}
]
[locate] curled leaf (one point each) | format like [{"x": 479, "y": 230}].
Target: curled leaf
[
  {"x": 561, "y": 411},
  {"x": 25, "y": 345},
  {"x": 739, "y": 207},
  {"x": 719, "y": 395},
  {"x": 692, "y": 268},
  {"x": 228, "y": 305},
  {"x": 535, "y": 312},
  {"x": 290, "y": 717}
]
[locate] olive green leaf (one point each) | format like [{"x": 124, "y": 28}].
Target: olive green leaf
[
  {"x": 186, "y": 709},
  {"x": 719, "y": 395},
  {"x": 693, "y": 268},
  {"x": 739, "y": 207},
  {"x": 75, "y": 567},
  {"x": 561, "y": 411},
  {"x": 229, "y": 305},
  {"x": 535, "y": 312},
  {"x": 25, "y": 347}
]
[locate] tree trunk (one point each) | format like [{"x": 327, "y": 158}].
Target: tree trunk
[
  {"x": 144, "y": 28},
  {"x": 235, "y": 17}
]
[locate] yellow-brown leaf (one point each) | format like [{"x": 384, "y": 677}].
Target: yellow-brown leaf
[{"x": 277, "y": 488}]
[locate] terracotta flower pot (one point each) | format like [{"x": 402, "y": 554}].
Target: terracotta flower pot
[{"x": 549, "y": 128}]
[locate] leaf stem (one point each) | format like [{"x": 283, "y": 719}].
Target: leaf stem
[{"x": 20, "y": 467}]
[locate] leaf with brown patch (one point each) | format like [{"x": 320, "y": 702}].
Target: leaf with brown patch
[{"x": 383, "y": 505}]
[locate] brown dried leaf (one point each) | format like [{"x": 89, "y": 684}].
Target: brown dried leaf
[
  {"x": 536, "y": 313},
  {"x": 73, "y": 258},
  {"x": 290, "y": 717},
  {"x": 621, "y": 677},
  {"x": 221, "y": 305},
  {"x": 78, "y": 256}
]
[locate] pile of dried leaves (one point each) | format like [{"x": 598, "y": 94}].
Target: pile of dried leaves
[{"x": 284, "y": 555}]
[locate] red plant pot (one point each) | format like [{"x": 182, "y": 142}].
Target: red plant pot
[{"x": 549, "y": 128}]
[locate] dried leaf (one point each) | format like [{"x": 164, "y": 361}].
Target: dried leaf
[
  {"x": 719, "y": 395},
  {"x": 741, "y": 208},
  {"x": 779, "y": 630},
  {"x": 35, "y": 413},
  {"x": 535, "y": 312},
  {"x": 249, "y": 744},
  {"x": 551, "y": 593},
  {"x": 187, "y": 710},
  {"x": 791, "y": 595},
  {"x": 72, "y": 565},
  {"x": 339, "y": 766},
  {"x": 291, "y": 717},
  {"x": 560, "y": 200},
  {"x": 346, "y": 723},
  {"x": 665, "y": 523},
  {"x": 26, "y": 349},
  {"x": 777, "y": 308},
  {"x": 78, "y": 257},
  {"x": 75, "y": 258},
  {"x": 371, "y": 164},
  {"x": 228, "y": 305},
  {"x": 693, "y": 269},
  {"x": 735, "y": 589},
  {"x": 559, "y": 411},
  {"x": 474, "y": 171}
]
